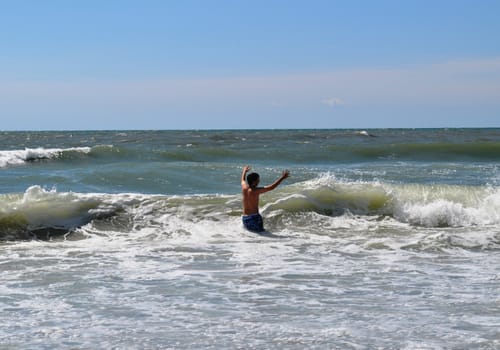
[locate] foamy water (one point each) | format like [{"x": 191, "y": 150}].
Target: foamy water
[{"x": 351, "y": 260}]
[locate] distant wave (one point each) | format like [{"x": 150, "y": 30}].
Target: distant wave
[
  {"x": 306, "y": 152},
  {"x": 418, "y": 151},
  {"x": 364, "y": 133},
  {"x": 17, "y": 157},
  {"x": 433, "y": 152}
]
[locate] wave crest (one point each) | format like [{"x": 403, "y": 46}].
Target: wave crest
[
  {"x": 419, "y": 205},
  {"x": 50, "y": 212},
  {"x": 17, "y": 157},
  {"x": 23, "y": 215}
]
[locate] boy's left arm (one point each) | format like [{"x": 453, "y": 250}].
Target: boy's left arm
[{"x": 275, "y": 184}]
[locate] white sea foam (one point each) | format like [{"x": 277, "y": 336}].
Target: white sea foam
[
  {"x": 17, "y": 157},
  {"x": 169, "y": 267},
  {"x": 450, "y": 206}
]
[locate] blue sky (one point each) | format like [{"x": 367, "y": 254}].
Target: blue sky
[{"x": 249, "y": 64}]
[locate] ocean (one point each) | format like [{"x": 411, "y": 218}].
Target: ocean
[{"x": 379, "y": 239}]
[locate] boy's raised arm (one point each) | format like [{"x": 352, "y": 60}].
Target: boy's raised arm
[
  {"x": 275, "y": 184},
  {"x": 246, "y": 168}
]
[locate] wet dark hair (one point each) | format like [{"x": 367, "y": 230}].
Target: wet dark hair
[{"x": 251, "y": 178}]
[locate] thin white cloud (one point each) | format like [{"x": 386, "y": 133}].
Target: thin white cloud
[{"x": 333, "y": 102}]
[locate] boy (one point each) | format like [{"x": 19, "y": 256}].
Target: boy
[{"x": 252, "y": 220}]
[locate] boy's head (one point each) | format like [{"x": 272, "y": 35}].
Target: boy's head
[{"x": 253, "y": 179}]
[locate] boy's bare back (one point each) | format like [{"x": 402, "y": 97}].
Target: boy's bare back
[{"x": 251, "y": 191}]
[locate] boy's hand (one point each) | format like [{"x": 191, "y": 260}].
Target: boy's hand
[{"x": 285, "y": 174}]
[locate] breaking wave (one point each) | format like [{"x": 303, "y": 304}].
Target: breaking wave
[
  {"x": 17, "y": 157},
  {"x": 43, "y": 213},
  {"x": 40, "y": 213},
  {"x": 415, "y": 204}
]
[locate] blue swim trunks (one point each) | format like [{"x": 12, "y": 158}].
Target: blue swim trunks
[{"x": 253, "y": 222}]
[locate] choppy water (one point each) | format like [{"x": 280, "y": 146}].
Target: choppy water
[{"x": 383, "y": 239}]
